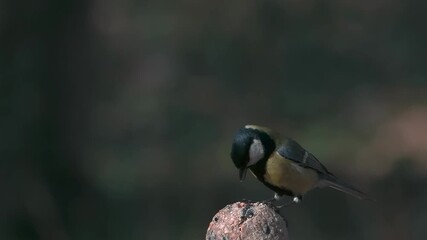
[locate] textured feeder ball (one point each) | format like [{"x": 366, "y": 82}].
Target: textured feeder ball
[{"x": 247, "y": 221}]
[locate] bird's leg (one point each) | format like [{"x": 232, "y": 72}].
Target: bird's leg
[
  {"x": 276, "y": 197},
  {"x": 295, "y": 200}
]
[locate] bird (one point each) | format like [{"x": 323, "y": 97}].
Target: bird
[{"x": 283, "y": 165}]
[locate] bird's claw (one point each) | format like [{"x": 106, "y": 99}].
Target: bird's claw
[
  {"x": 269, "y": 201},
  {"x": 294, "y": 201}
]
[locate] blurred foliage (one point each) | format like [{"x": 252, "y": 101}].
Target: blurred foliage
[{"x": 117, "y": 116}]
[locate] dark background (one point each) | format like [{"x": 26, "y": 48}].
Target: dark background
[{"x": 117, "y": 116}]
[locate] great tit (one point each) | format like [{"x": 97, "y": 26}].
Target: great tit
[{"x": 282, "y": 164}]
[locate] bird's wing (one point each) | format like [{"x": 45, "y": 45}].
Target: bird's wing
[{"x": 293, "y": 151}]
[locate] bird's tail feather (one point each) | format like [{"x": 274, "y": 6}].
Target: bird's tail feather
[{"x": 335, "y": 183}]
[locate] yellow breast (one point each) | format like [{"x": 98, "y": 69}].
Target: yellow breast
[{"x": 286, "y": 174}]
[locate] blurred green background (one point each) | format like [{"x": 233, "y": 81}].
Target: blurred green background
[{"x": 117, "y": 116}]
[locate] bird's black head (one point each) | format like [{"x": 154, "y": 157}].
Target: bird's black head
[
  {"x": 240, "y": 148},
  {"x": 251, "y": 144}
]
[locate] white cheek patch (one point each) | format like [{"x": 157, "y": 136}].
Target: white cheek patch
[{"x": 256, "y": 152}]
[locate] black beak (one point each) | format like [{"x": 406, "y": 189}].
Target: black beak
[{"x": 242, "y": 173}]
